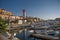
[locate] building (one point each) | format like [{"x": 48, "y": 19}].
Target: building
[
  {"x": 2, "y": 11},
  {"x": 9, "y": 18},
  {"x": 4, "y": 14}
]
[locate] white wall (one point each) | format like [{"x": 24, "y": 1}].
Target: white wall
[{"x": 20, "y": 21}]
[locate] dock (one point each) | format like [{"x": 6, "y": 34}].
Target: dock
[{"x": 43, "y": 37}]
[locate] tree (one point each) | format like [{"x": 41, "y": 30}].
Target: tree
[{"x": 2, "y": 26}]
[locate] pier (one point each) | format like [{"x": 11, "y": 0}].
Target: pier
[{"x": 43, "y": 37}]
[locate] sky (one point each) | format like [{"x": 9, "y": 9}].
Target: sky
[{"x": 44, "y": 9}]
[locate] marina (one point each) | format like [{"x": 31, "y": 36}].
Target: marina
[
  {"x": 30, "y": 20},
  {"x": 34, "y": 32}
]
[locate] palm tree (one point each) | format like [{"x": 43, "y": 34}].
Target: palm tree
[
  {"x": 2, "y": 29},
  {"x": 2, "y": 26}
]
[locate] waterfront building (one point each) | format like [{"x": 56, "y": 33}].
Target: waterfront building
[
  {"x": 4, "y": 14},
  {"x": 9, "y": 18},
  {"x": 3, "y": 11}
]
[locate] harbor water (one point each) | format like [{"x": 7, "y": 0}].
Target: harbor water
[
  {"x": 20, "y": 36},
  {"x": 27, "y": 37}
]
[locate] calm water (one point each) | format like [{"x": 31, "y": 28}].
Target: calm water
[{"x": 20, "y": 36}]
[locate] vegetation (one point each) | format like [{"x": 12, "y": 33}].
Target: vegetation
[{"x": 2, "y": 26}]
